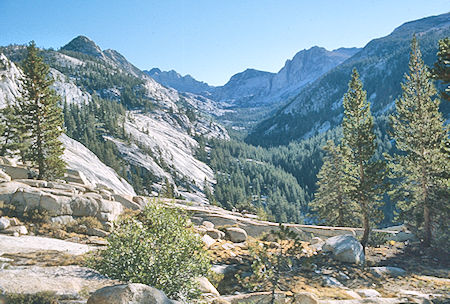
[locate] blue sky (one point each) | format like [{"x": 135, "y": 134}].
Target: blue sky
[{"x": 211, "y": 40}]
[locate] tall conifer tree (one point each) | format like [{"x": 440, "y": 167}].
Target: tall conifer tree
[
  {"x": 441, "y": 69},
  {"x": 41, "y": 116},
  {"x": 420, "y": 134},
  {"x": 13, "y": 134},
  {"x": 331, "y": 201},
  {"x": 365, "y": 176}
]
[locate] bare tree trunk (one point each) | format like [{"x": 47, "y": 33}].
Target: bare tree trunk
[
  {"x": 427, "y": 224},
  {"x": 366, "y": 227}
]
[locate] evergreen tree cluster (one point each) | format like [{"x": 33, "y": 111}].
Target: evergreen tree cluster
[
  {"x": 419, "y": 169},
  {"x": 347, "y": 182},
  {"x": 31, "y": 126}
]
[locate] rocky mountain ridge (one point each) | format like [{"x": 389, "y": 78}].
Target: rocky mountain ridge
[
  {"x": 382, "y": 64},
  {"x": 174, "y": 147},
  {"x": 256, "y": 93}
]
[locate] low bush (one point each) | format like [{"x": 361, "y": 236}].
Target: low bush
[
  {"x": 157, "y": 248},
  {"x": 38, "y": 298}
]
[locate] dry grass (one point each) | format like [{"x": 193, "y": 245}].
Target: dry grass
[{"x": 44, "y": 258}]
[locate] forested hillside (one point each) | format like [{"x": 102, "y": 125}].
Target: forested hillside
[{"x": 382, "y": 64}]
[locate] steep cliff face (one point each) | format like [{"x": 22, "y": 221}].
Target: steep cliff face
[{"x": 160, "y": 122}]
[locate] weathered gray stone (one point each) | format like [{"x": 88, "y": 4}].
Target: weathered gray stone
[
  {"x": 84, "y": 206},
  {"x": 223, "y": 269},
  {"x": 316, "y": 240},
  {"x": 106, "y": 194},
  {"x": 368, "y": 293},
  {"x": 388, "y": 271},
  {"x": 4, "y": 177},
  {"x": 76, "y": 176},
  {"x": 4, "y": 160},
  {"x": 331, "y": 282},
  {"x": 66, "y": 281},
  {"x": 93, "y": 195},
  {"x": 33, "y": 182},
  {"x": 62, "y": 219},
  {"x": 216, "y": 234},
  {"x": 208, "y": 225},
  {"x": 55, "y": 205},
  {"x": 205, "y": 286},
  {"x": 25, "y": 199},
  {"x": 208, "y": 241},
  {"x": 4, "y": 223},
  {"x": 403, "y": 236},
  {"x": 235, "y": 234},
  {"x": 141, "y": 201},
  {"x": 256, "y": 297},
  {"x": 8, "y": 189},
  {"x": 62, "y": 186},
  {"x": 128, "y": 294},
  {"x": 16, "y": 172},
  {"x": 126, "y": 201},
  {"x": 345, "y": 248},
  {"x": 15, "y": 230},
  {"x": 304, "y": 298},
  {"x": 96, "y": 232}
]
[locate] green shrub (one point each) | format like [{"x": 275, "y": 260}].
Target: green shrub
[
  {"x": 156, "y": 248},
  {"x": 38, "y": 298},
  {"x": 376, "y": 239}
]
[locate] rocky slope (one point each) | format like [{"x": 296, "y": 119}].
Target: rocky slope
[
  {"x": 381, "y": 64},
  {"x": 161, "y": 121}
]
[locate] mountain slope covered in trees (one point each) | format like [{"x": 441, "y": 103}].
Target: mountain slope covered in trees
[
  {"x": 382, "y": 64},
  {"x": 108, "y": 104}
]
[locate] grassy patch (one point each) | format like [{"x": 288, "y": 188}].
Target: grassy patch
[{"x": 38, "y": 298}]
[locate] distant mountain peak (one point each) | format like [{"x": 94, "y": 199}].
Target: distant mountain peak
[
  {"x": 83, "y": 44},
  {"x": 175, "y": 80}
]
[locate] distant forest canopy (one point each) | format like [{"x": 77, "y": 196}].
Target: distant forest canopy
[{"x": 280, "y": 179}]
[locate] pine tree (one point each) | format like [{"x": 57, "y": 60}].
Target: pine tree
[
  {"x": 441, "y": 69},
  {"x": 365, "y": 176},
  {"x": 331, "y": 201},
  {"x": 41, "y": 115},
  {"x": 13, "y": 135},
  {"x": 420, "y": 134}
]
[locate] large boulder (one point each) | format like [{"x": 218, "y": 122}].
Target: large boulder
[
  {"x": 128, "y": 294},
  {"x": 18, "y": 172},
  {"x": 76, "y": 176},
  {"x": 84, "y": 206},
  {"x": 345, "y": 248},
  {"x": 216, "y": 234},
  {"x": 127, "y": 201},
  {"x": 4, "y": 223},
  {"x": 305, "y": 298},
  {"x": 235, "y": 234},
  {"x": 4, "y": 177},
  {"x": 205, "y": 286}
]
